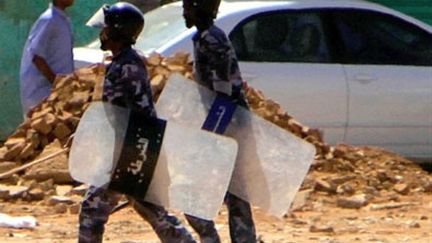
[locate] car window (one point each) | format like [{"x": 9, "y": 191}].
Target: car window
[
  {"x": 161, "y": 26},
  {"x": 375, "y": 38},
  {"x": 281, "y": 37}
]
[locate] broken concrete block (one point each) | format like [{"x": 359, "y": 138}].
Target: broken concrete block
[
  {"x": 356, "y": 201},
  {"x": 61, "y": 130},
  {"x": 41, "y": 126}
]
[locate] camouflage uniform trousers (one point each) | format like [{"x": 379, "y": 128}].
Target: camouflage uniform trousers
[
  {"x": 241, "y": 225},
  {"x": 98, "y": 204}
]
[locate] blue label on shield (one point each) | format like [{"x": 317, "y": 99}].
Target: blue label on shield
[{"x": 220, "y": 115}]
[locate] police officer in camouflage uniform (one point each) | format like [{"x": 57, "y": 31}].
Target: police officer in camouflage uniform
[
  {"x": 127, "y": 85},
  {"x": 216, "y": 67}
]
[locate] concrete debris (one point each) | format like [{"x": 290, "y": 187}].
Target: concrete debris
[
  {"x": 392, "y": 205},
  {"x": 321, "y": 229},
  {"x": 12, "y": 192},
  {"x": 22, "y": 222},
  {"x": 356, "y": 201}
]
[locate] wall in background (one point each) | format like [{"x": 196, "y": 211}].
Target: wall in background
[{"x": 420, "y": 9}]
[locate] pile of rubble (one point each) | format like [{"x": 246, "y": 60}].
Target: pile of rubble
[
  {"x": 29, "y": 171},
  {"x": 360, "y": 176}
]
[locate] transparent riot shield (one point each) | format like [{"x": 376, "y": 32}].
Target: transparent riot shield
[
  {"x": 192, "y": 172},
  {"x": 272, "y": 162}
]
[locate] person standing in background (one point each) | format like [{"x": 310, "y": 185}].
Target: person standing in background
[{"x": 47, "y": 53}]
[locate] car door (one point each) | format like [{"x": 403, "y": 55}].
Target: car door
[
  {"x": 285, "y": 55},
  {"x": 388, "y": 65}
]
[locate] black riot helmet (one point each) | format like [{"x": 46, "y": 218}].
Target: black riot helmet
[
  {"x": 124, "y": 20},
  {"x": 204, "y": 8}
]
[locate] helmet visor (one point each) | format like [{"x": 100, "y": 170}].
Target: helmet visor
[{"x": 98, "y": 19}]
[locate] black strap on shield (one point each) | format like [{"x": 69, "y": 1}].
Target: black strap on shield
[{"x": 139, "y": 155}]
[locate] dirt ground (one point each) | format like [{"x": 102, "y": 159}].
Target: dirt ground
[
  {"x": 370, "y": 195},
  {"x": 409, "y": 220}
]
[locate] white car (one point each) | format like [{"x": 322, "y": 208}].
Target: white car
[{"x": 359, "y": 71}]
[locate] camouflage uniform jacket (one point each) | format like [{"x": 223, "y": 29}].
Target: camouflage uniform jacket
[
  {"x": 216, "y": 65},
  {"x": 127, "y": 85}
]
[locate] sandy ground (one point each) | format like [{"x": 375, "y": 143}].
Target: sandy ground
[{"x": 409, "y": 220}]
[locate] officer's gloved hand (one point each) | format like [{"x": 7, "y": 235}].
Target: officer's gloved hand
[
  {"x": 231, "y": 98},
  {"x": 239, "y": 98},
  {"x": 236, "y": 98},
  {"x": 223, "y": 95}
]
